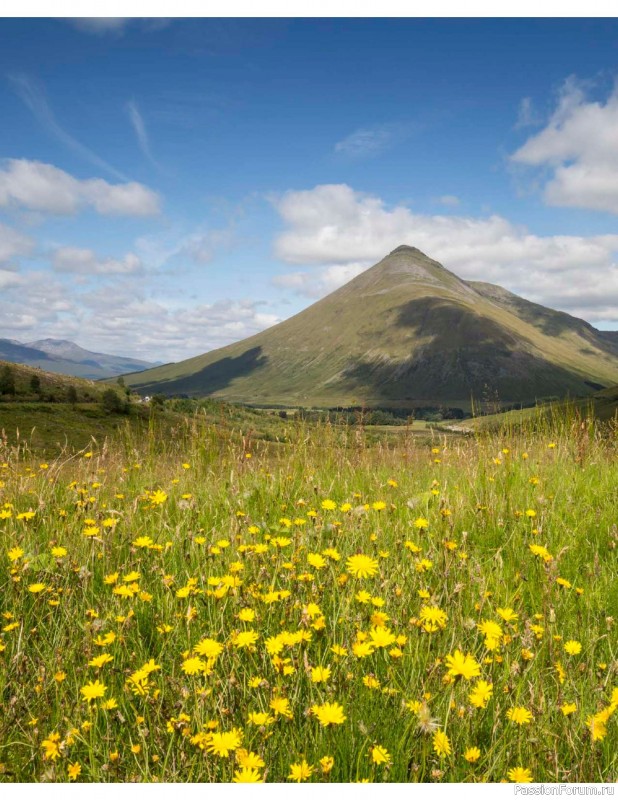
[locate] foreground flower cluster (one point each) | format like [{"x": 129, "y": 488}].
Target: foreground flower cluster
[{"x": 443, "y": 614}]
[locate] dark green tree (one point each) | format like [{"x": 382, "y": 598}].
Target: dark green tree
[
  {"x": 72, "y": 395},
  {"x": 35, "y": 384},
  {"x": 7, "y": 380},
  {"x": 111, "y": 402}
]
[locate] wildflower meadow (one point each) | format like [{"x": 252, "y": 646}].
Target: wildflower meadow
[{"x": 422, "y": 609}]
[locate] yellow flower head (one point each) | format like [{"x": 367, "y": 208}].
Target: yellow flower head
[
  {"x": 281, "y": 707},
  {"x": 93, "y": 690},
  {"x": 247, "y": 775},
  {"x": 519, "y": 715},
  {"x": 221, "y": 744},
  {"x": 380, "y": 755},
  {"x": 519, "y": 775},
  {"x": 441, "y": 744},
  {"x": 362, "y": 566},
  {"x": 301, "y": 771},
  {"x": 329, "y": 714},
  {"x": 464, "y": 665},
  {"x": 472, "y": 755},
  {"x": 326, "y": 764},
  {"x": 320, "y": 674}
]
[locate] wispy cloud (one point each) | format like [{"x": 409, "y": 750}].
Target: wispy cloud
[
  {"x": 116, "y": 26},
  {"x": 200, "y": 247},
  {"x": 527, "y": 115},
  {"x": 139, "y": 126},
  {"x": 364, "y": 142},
  {"x": 34, "y": 98},
  {"x": 449, "y": 200},
  {"x": 100, "y": 25},
  {"x": 368, "y": 142}
]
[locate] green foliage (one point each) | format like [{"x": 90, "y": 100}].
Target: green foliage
[
  {"x": 35, "y": 384},
  {"x": 112, "y": 403},
  {"x": 7, "y": 380}
]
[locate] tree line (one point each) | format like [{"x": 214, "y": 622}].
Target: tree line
[{"x": 110, "y": 400}]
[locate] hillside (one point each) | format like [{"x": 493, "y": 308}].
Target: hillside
[
  {"x": 601, "y": 406},
  {"x": 67, "y": 358},
  {"x": 53, "y": 387},
  {"x": 47, "y": 422},
  {"x": 62, "y": 412},
  {"x": 405, "y": 333}
]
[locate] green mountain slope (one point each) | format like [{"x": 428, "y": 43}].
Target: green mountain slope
[
  {"x": 405, "y": 333},
  {"x": 601, "y": 406}
]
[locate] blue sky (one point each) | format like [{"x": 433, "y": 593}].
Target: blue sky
[{"x": 170, "y": 186}]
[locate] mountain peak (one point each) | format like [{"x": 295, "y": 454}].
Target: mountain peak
[
  {"x": 407, "y": 265},
  {"x": 407, "y": 332},
  {"x": 406, "y": 248}
]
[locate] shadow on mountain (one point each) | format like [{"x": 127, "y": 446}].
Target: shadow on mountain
[
  {"x": 211, "y": 378},
  {"x": 450, "y": 324},
  {"x": 21, "y": 353},
  {"x": 464, "y": 355},
  {"x": 548, "y": 321}
]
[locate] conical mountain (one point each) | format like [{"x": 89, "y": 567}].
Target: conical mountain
[{"x": 404, "y": 333}]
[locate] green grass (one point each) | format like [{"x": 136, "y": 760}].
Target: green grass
[
  {"x": 602, "y": 406},
  {"x": 450, "y": 530},
  {"x": 50, "y": 429}
]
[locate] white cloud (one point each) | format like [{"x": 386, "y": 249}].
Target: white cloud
[
  {"x": 579, "y": 148},
  {"x": 156, "y": 331},
  {"x": 318, "y": 283},
  {"x": 29, "y": 302},
  {"x": 120, "y": 317},
  {"x": 42, "y": 187},
  {"x": 84, "y": 261},
  {"x": 13, "y": 243},
  {"x": 334, "y": 225},
  {"x": 9, "y": 279}
]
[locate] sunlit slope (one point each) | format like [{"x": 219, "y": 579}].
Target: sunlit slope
[
  {"x": 601, "y": 406},
  {"x": 405, "y": 332}
]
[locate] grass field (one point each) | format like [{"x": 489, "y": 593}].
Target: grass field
[
  {"x": 219, "y": 608},
  {"x": 52, "y": 429}
]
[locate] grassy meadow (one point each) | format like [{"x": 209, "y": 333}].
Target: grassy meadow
[{"x": 334, "y": 608}]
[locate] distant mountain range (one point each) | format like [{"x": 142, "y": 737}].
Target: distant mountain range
[
  {"x": 67, "y": 358},
  {"x": 405, "y": 333}
]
